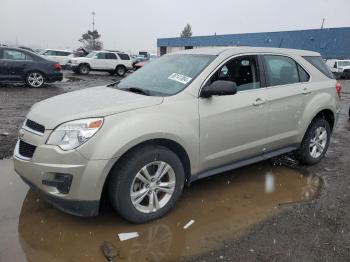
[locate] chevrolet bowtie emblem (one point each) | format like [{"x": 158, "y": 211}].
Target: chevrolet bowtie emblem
[{"x": 20, "y": 134}]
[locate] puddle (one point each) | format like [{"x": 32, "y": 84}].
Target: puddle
[
  {"x": 222, "y": 207},
  {"x": 69, "y": 79}
]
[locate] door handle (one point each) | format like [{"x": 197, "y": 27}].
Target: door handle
[
  {"x": 259, "y": 101},
  {"x": 306, "y": 91}
]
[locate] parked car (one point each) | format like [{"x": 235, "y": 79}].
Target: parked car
[
  {"x": 340, "y": 68},
  {"x": 113, "y": 62},
  {"x": 19, "y": 65},
  {"x": 141, "y": 64},
  {"x": 60, "y": 56},
  {"x": 183, "y": 117}
]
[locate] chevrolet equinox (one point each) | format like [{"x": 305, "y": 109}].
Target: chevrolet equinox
[{"x": 185, "y": 116}]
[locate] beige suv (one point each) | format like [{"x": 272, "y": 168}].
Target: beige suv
[{"x": 183, "y": 117}]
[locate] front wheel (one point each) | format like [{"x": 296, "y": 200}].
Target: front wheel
[
  {"x": 315, "y": 142},
  {"x": 35, "y": 79},
  {"x": 84, "y": 69},
  {"x": 146, "y": 184}
]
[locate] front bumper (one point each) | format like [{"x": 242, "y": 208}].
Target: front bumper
[
  {"x": 73, "y": 207},
  {"x": 71, "y": 66},
  {"x": 48, "y": 161}
]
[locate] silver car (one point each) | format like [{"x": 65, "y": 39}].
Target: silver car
[{"x": 185, "y": 116}]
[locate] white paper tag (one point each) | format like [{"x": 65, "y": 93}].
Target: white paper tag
[
  {"x": 127, "y": 236},
  {"x": 180, "y": 78}
]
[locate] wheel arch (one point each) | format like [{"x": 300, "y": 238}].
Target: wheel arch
[{"x": 170, "y": 144}]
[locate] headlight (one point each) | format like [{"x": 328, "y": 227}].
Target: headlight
[{"x": 72, "y": 134}]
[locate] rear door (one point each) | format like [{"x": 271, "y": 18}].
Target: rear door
[
  {"x": 287, "y": 85},
  {"x": 234, "y": 127},
  {"x": 100, "y": 62},
  {"x": 112, "y": 61}
]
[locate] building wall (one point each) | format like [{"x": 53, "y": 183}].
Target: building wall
[{"x": 330, "y": 42}]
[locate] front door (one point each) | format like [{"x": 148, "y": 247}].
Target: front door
[{"x": 234, "y": 127}]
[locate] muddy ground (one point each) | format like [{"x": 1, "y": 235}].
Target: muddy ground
[{"x": 262, "y": 212}]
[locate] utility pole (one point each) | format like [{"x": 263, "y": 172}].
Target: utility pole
[
  {"x": 324, "y": 19},
  {"x": 93, "y": 28}
]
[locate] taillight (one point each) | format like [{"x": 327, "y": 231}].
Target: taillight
[
  {"x": 57, "y": 67},
  {"x": 338, "y": 87}
]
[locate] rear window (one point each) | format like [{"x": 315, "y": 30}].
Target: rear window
[
  {"x": 317, "y": 62},
  {"x": 124, "y": 56}
]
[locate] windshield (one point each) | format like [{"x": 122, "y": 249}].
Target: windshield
[
  {"x": 167, "y": 75},
  {"x": 91, "y": 55},
  {"x": 344, "y": 63}
]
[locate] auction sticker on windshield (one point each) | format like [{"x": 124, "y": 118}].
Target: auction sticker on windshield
[{"x": 180, "y": 78}]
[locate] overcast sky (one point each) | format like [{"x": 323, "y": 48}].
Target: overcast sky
[{"x": 133, "y": 25}]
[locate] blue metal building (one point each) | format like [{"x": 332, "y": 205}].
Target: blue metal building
[{"x": 330, "y": 42}]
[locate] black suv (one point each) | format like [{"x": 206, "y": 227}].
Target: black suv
[{"x": 19, "y": 65}]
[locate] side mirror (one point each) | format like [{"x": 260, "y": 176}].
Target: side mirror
[{"x": 219, "y": 88}]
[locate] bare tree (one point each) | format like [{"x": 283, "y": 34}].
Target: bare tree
[
  {"x": 91, "y": 41},
  {"x": 187, "y": 31}
]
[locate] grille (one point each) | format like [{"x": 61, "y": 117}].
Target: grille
[
  {"x": 346, "y": 71},
  {"x": 35, "y": 126},
  {"x": 26, "y": 150}
]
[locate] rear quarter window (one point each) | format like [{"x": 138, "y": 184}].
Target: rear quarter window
[
  {"x": 124, "y": 56},
  {"x": 318, "y": 62}
]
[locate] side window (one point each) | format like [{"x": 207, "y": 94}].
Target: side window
[
  {"x": 111, "y": 56},
  {"x": 280, "y": 70},
  {"x": 101, "y": 56},
  {"x": 50, "y": 52},
  {"x": 124, "y": 56},
  {"x": 244, "y": 71},
  {"x": 303, "y": 75},
  {"x": 16, "y": 55}
]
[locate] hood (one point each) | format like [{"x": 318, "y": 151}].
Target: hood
[{"x": 86, "y": 103}]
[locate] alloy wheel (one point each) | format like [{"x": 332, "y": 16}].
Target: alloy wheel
[
  {"x": 153, "y": 187},
  {"x": 35, "y": 79},
  {"x": 318, "y": 142}
]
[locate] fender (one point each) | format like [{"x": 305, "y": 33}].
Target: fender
[{"x": 319, "y": 102}]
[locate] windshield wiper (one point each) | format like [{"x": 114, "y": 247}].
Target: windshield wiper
[{"x": 137, "y": 90}]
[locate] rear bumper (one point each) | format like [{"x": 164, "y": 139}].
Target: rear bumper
[{"x": 54, "y": 77}]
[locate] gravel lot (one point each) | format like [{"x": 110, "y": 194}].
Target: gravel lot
[{"x": 318, "y": 230}]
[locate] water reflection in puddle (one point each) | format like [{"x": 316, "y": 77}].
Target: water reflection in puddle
[{"x": 223, "y": 207}]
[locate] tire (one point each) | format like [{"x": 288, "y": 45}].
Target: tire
[
  {"x": 124, "y": 182},
  {"x": 120, "y": 70},
  {"x": 84, "y": 69},
  {"x": 310, "y": 151},
  {"x": 35, "y": 79}
]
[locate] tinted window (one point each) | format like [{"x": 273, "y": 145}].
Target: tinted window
[
  {"x": 101, "y": 56},
  {"x": 303, "y": 75},
  {"x": 243, "y": 71},
  {"x": 124, "y": 56},
  {"x": 62, "y": 53},
  {"x": 111, "y": 56},
  {"x": 281, "y": 70},
  {"x": 15, "y": 55},
  {"x": 317, "y": 62}
]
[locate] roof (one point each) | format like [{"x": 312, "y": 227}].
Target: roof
[
  {"x": 246, "y": 49},
  {"x": 330, "y": 42}
]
